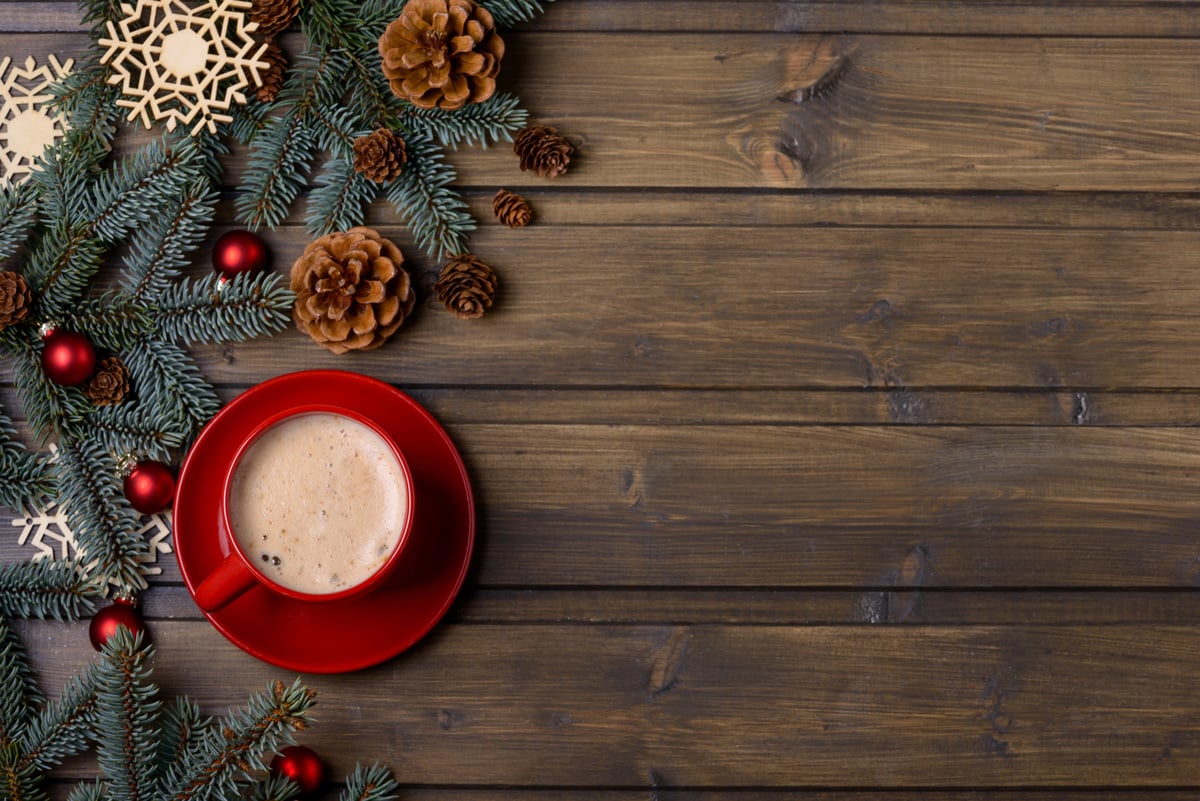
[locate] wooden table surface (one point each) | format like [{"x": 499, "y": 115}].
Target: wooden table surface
[{"x": 835, "y": 431}]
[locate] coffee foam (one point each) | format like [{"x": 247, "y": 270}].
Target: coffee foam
[{"x": 318, "y": 503}]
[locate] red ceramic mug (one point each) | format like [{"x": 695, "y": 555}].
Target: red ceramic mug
[{"x": 317, "y": 506}]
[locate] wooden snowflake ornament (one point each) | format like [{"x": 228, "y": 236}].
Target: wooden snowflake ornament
[
  {"x": 182, "y": 62},
  {"x": 27, "y": 125}
]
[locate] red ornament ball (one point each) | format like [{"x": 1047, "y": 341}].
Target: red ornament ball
[
  {"x": 303, "y": 766},
  {"x": 239, "y": 252},
  {"x": 105, "y": 621},
  {"x": 68, "y": 358},
  {"x": 150, "y": 487}
]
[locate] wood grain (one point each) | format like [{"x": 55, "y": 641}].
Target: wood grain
[{"x": 747, "y": 706}]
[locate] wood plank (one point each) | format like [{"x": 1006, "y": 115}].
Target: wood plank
[
  {"x": 599, "y": 506},
  {"x": 719, "y": 706},
  {"x": 1075, "y": 17},
  {"x": 905, "y": 112},
  {"x": 907, "y": 308}
]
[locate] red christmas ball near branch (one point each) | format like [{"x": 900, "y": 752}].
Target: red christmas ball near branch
[
  {"x": 68, "y": 357},
  {"x": 303, "y": 766},
  {"x": 104, "y": 623},
  {"x": 150, "y": 487},
  {"x": 239, "y": 252}
]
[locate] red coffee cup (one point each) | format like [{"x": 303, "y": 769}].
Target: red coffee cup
[{"x": 317, "y": 505}]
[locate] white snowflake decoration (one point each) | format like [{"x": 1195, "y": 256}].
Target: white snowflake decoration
[
  {"x": 184, "y": 63},
  {"x": 27, "y": 125},
  {"x": 49, "y": 532}
]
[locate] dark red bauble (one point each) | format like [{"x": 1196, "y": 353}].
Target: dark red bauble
[
  {"x": 303, "y": 766},
  {"x": 68, "y": 358},
  {"x": 150, "y": 487},
  {"x": 239, "y": 252},
  {"x": 105, "y": 621}
]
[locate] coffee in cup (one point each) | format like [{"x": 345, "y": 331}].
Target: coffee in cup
[{"x": 317, "y": 506}]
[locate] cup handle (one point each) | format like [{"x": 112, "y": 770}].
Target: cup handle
[{"x": 227, "y": 582}]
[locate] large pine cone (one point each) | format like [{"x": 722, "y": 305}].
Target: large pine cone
[
  {"x": 273, "y": 16},
  {"x": 466, "y": 286},
  {"x": 15, "y": 299},
  {"x": 542, "y": 150},
  {"x": 379, "y": 156},
  {"x": 443, "y": 53},
  {"x": 512, "y": 209},
  {"x": 351, "y": 291},
  {"x": 272, "y": 77}
]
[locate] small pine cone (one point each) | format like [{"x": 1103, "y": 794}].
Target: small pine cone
[
  {"x": 512, "y": 209},
  {"x": 542, "y": 150},
  {"x": 273, "y": 16},
  {"x": 466, "y": 286},
  {"x": 442, "y": 53},
  {"x": 109, "y": 384},
  {"x": 272, "y": 77},
  {"x": 352, "y": 291},
  {"x": 15, "y": 299},
  {"x": 379, "y": 156}
]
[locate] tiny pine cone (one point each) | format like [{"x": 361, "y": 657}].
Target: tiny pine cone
[
  {"x": 15, "y": 299},
  {"x": 273, "y": 16},
  {"x": 542, "y": 150},
  {"x": 109, "y": 384},
  {"x": 466, "y": 286},
  {"x": 272, "y": 77},
  {"x": 512, "y": 209},
  {"x": 380, "y": 156}
]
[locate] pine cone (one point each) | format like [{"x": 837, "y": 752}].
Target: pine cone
[
  {"x": 512, "y": 209},
  {"x": 379, "y": 156},
  {"x": 352, "y": 291},
  {"x": 466, "y": 286},
  {"x": 443, "y": 53},
  {"x": 542, "y": 150},
  {"x": 272, "y": 76},
  {"x": 15, "y": 299},
  {"x": 109, "y": 384},
  {"x": 273, "y": 16}
]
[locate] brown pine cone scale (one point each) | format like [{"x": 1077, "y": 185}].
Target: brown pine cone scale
[
  {"x": 273, "y": 16},
  {"x": 512, "y": 209},
  {"x": 542, "y": 150},
  {"x": 466, "y": 286},
  {"x": 109, "y": 384},
  {"x": 271, "y": 79}
]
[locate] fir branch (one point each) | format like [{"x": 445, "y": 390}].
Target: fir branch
[
  {"x": 61, "y": 264},
  {"x": 336, "y": 129},
  {"x": 46, "y": 589},
  {"x": 249, "y": 119},
  {"x": 236, "y": 745},
  {"x": 136, "y": 189},
  {"x": 88, "y": 791},
  {"x": 64, "y": 728},
  {"x": 339, "y": 200},
  {"x": 113, "y": 321},
  {"x": 435, "y": 213},
  {"x": 374, "y": 783},
  {"x": 18, "y": 689},
  {"x": 181, "y": 729},
  {"x": 19, "y": 784},
  {"x": 159, "y": 250},
  {"x": 105, "y": 525},
  {"x": 134, "y": 428},
  {"x": 273, "y": 788},
  {"x": 126, "y": 717},
  {"x": 279, "y": 161},
  {"x": 212, "y": 310},
  {"x": 168, "y": 380},
  {"x": 25, "y": 480},
  {"x": 508, "y": 13},
  {"x": 48, "y": 407},
  {"x": 18, "y": 213},
  {"x": 495, "y": 119},
  {"x": 336, "y": 26}
]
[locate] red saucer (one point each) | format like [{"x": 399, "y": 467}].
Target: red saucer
[{"x": 333, "y": 636}]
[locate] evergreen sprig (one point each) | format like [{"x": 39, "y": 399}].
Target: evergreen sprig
[
  {"x": 47, "y": 589},
  {"x": 25, "y": 480},
  {"x": 127, "y": 712},
  {"x": 424, "y": 195},
  {"x": 482, "y": 124},
  {"x": 18, "y": 213},
  {"x": 512, "y": 12},
  {"x": 371, "y": 783}
]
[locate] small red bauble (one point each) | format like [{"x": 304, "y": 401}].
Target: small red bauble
[
  {"x": 150, "y": 487},
  {"x": 239, "y": 252},
  {"x": 104, "y": 623},
  {"x": 68, "y": 358},
  {"x": 302, "y": 765}
]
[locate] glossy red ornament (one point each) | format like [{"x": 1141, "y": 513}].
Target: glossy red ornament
[
  {"x": 150, "y": 487},
  {"x": 303, "y": 766},
  {"x": 239, "y": 252},
  {"x": 122, "y": 612},
  {"x": 68, "y": 357}
]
